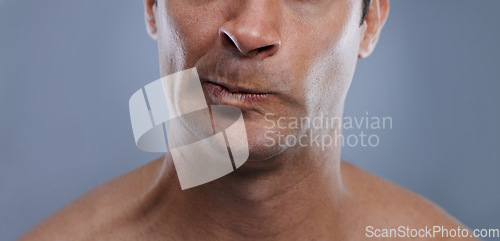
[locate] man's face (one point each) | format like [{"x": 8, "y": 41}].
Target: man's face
[{"x": 270, "y": 58}]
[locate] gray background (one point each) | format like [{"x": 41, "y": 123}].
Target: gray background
[{"x": 67, "y": 69}]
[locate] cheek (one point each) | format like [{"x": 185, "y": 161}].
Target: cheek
[
  {"x": 185, "y": 34},
  {"x": 331, "y": 61}
]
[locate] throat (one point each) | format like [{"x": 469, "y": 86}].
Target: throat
[{"x": 282, "y": 203}]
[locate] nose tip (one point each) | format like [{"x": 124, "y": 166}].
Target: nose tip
[{"x": 250, "y": 41}]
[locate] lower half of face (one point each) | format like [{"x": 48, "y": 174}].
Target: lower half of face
[{"x": 307, "y": 77}]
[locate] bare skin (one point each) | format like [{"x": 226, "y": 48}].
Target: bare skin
[
  {"x": 139, "y": 206},
  {"x": 302, "y": 55}
]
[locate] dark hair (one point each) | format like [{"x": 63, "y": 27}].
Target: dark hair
[{"x": 366, "y": 6}]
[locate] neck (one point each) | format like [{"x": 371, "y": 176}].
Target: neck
[{"x": 290, "y": 196}]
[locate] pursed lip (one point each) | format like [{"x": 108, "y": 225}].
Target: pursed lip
[{"x": 227, "y": 94}]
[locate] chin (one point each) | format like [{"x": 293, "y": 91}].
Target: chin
[{"x": 263, "y": 143}]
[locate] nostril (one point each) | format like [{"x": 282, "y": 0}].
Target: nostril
[
  {"x": 249, "y": 42},
  {"x": 226, "y": 40},
  {"x": 269, "y": 50},
  {"x": 266, "y": 48}
]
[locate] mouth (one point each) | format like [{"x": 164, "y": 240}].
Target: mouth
[{"x": 223, "y": 93}]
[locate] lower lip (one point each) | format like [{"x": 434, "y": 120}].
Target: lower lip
[{"x": 224, "y": 96}]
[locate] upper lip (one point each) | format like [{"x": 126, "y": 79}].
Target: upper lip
[{"x": 233, "y": 88}]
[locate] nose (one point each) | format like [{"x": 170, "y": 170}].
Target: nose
[{"x": 251, "y": 33}]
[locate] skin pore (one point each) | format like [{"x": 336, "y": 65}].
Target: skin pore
[{"x": 302, "y": 55}]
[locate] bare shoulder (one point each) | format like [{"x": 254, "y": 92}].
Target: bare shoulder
[
  {"x": 382, "y": 206},
  {"x": 110, "y": 204}
]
